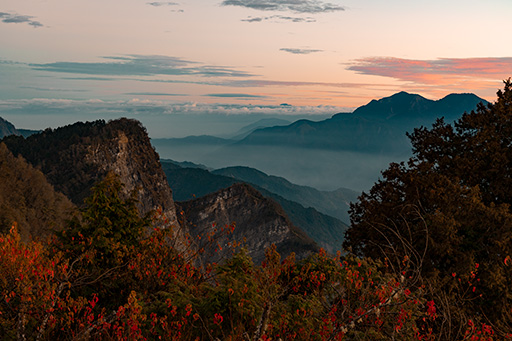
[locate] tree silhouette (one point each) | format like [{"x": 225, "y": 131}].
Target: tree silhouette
[{"x": 448, "y": 209}]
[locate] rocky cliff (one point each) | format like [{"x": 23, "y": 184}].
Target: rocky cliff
[
  {"x": 75, "y": 157},
  {"x": 258, "y": 223},
  {"x": 7, "y": 128}
]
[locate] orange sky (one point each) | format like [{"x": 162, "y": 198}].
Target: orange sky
[{"x": 251, "y": 52}]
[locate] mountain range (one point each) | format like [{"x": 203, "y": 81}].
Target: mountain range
[
  {"x": 377, "y": 127},
  {"x": 270, "y": 209},
  {"x": 257, "y": 223},
  {"x": 303, "y": 205},
  {"x": 74, "y": 158},
  {"x": 347, "y": 150}
]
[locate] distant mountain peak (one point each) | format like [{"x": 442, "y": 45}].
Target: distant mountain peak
[
  {"x": 402, "y": 93},
  {"x": 7, "y": 128},
  {"x": 405, "y": 105}
]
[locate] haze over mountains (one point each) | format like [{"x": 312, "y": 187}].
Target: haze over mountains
[
  {"x": 7, "y": 128},
  {"x": 75, "y": 157},
  {"x": 377, "y": 127},
  {"x": 347, "y": 150},
  {"x": 322, "y": 215}
]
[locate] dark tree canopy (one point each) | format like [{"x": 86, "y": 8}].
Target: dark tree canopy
[
  {"x": 448, "y": 208},
  {"x": 26, "y": 198}
]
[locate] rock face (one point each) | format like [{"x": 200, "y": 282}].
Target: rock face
[
  {"x": 260, "y": 222},
  {"x": 7, "y": 128},
  {"x": 327, "y": 231},
  {"x": 75, "y": 157},
  {"x": 136, "y": 162}
]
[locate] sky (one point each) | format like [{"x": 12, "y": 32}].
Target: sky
[{"x": 60, "y": 59}]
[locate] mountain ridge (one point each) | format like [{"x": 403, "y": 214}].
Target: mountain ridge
[
  {"x": 256, "y": 219},
  {"x": 193, "y": 183},
  {"x": 377, "y": 127},
  {"x": 413, "y": 106},
  {"x": 75, "y": 157},
  {"x": 7, "y": 128}
]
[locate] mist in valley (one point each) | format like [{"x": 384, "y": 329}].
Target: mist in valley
[{"x": 322, "y": 169}]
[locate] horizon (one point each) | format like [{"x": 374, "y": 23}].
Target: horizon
[{"x": 162, "y": 120}]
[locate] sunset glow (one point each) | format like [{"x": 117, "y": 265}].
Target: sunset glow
[{"x": 306, "y": 53}]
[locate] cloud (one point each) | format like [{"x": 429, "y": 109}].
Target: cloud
[
  {"x": 250, "y": 83},
  {"x": 11, "y": 18},
  {"x": 52, "y": 89},
  {"x": 299, "y": 51},
  {"x": 11, "y": 62},
  {"x": 278, "y": 18},
  {"x": 250, "y": 19},
  {"x": 90, "y": 78},
  {"x": 88, "y": 109},
  {"x": 440, "y": 71},
  {"x": 161, "y": 3},
  {"x": 296, "y": 6},
  {"x": 138, "y": 65},
  {"x": 152, "y": 94},
  {"x": 235, "y": 96},
  {"x": 255, "y": 83}
]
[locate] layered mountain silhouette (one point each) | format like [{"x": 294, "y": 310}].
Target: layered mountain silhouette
[
  {"x": 407, "y": 107},
  {"x": 347, "y": 150},
  {"x": 324, "y": 229},
  {"x": 7, "y": 128},
  {"x": 378, "y": 126},
  {"x": 334, "y": 203},
  {"x": 75, "y": 157},
  {"x": 263, "y": 123}
]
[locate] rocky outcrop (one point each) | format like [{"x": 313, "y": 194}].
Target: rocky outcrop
[
  {"x": 7, "y": 128},
  {"x": 258, "y": 223},
  {"x": 75, "y": 157},
  {"x": 132, "y": 157}
]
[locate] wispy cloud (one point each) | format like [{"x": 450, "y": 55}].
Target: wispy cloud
[
  {"x": 84, "y": 110},
  {"x": 152, "y": 94},
  {"x": 11, "y": 62},
  {"x": 91, "y": 78},
  {"x": 137, "y": 65},
  {"x": 439, "y": 71},
  {"x": 51, "y": 89},
  {"x": 299, "y": 51},
  {"x": 296, "y": 6},
  {"x": 440, "y": 76},
  {"x": 260, "y": 83},
  {"x": 264, "y": 83},
  {"x": 278, "y": 18},
  {"x": 235, "y": 96},
  {"x": 162, "y": 3},
  {"x": 12, "y": 18}
]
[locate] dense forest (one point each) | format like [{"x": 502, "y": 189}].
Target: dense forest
[{"x": 427, "y": 257}]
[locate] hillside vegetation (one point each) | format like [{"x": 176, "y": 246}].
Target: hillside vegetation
[
  {"x": 28, "y": 199},
  {"x": 428, "y": 257}
]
